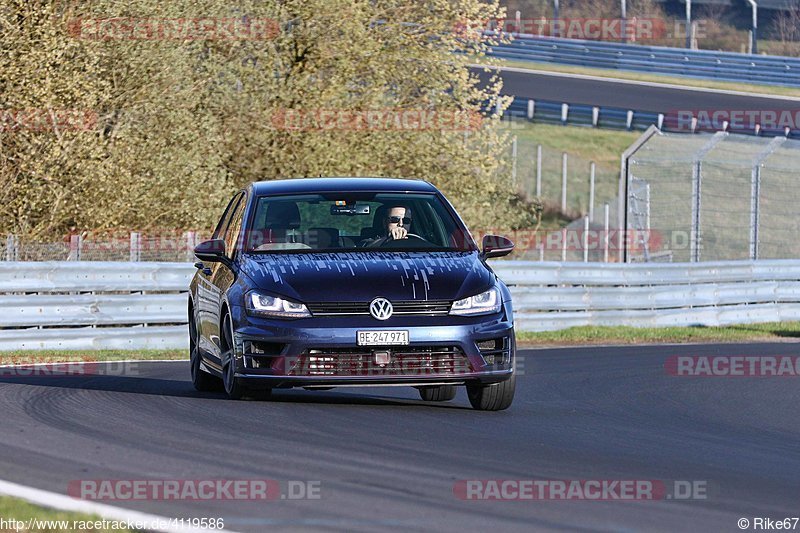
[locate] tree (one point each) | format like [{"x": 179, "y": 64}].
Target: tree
[{"x": 187, "y": 109}]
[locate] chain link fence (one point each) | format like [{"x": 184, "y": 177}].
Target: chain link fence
[
  {"x": 87, "y": 246},
  {"x": 713, "y": 197}
]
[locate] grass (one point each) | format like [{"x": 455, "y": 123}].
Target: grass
[
  {"x": 52, "y": 356},
  {"x": 773, "y": 331},
  {"x": 21, "y": 510},
  {"x": 775, "y": 90}
]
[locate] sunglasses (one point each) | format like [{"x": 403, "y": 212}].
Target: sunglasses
[{"x": 396, "y": 220}]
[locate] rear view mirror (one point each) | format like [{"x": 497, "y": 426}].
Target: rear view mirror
[
  {"x": 350, "y": 209},
  {"x": 496, "y": 246},
  {"x": 212, "y": 251}
]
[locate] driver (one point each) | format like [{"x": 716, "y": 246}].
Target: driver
[{"x": 397, "y": 224}]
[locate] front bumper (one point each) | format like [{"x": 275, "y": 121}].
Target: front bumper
[{"x": 323, "y": 352}]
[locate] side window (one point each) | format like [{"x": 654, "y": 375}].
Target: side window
[
  {"x": 234, "y": 229},
  {"x": 222, "y": 225}
]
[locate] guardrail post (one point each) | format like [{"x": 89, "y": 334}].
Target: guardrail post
[
  {"x": 539, "y": 171},
  {"x": 517, "y": 22},
  {"x": 605, "y": 232},
  {"x": 660, "y": 120},
  {"x": 75, "y": 245},
  {"x": 564, "y": 182},
  {"x": 563, "y": 244},
  {"x": 531, "y": 108},
  {"x": 629, "y": 121},
  {"x": 564, "y": 113},
  {"x": 595, "y": 116},
  {"x": 541, "y": 251},
  {"x": 591, "y": 191},
  {"x": 135, "y": 247}
]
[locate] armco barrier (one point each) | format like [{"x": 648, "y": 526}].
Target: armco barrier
[
  {"x": 103, "y": 305},
  {"x": 704, "y": 64},
  {"x": 623, "y": 119}
]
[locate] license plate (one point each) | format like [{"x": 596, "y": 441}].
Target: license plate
[{"x": 381, "y": 338}]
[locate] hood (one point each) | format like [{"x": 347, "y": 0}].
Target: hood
[{"x": 362, "y": 276}]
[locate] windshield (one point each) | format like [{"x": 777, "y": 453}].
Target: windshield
[{"x": 347, "y": 222}]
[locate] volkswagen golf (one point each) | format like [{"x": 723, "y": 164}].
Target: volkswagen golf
[{"x": 330, "y": 282}]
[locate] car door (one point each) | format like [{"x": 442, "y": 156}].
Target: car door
[
  {"x": 207, "y": 297},
  {"x": 222, "y": 277}
]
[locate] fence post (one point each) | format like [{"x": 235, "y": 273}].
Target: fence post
[
  {"x": 564, "y": 182},
  {"x": 585, "y": 242},
  {"x": 514, "y": 161},
  {"x": 605, "y": 232},
  {"x": 75, "y": 245},
  {"x": 539, "y": 171},
  {"x": 191, "y": 242},
  {"x": 694, "y": 233},
  {"x": 135, "y": 247},
  {"x": 591, "y": 191},
  {"x": 12, "y": 250}
]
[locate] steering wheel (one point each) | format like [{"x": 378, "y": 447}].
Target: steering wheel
[{"x": 404, "y": 243}]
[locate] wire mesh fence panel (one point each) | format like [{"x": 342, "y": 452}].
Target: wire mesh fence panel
[
  {"x": 171, "y": 246},
  {"x": 716, "y": 197},
  {"x": 666, "y": 165},
  {"x": 779, "y": 201}
]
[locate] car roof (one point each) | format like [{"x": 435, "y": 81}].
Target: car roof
[{"x": 313, "y": 185}]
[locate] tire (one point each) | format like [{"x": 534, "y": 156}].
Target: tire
[
  {"x": 232, "y": 385},
  {"x": 438, "y": 393},
  {"x": 494, "y": 397},
  {"x": 201, "y": 380}
]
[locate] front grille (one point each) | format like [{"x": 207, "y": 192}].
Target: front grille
[
  {"x": 405, "y": 361},
  {"x": 409, "y": 307}
]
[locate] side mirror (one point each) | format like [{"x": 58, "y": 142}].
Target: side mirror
[
  {"x": 496, "y": 246},
  {"x": 212, "y": 251}
]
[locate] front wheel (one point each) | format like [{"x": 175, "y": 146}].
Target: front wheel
[
  {"x": 233, "y": 385},
  {"x": 437, "y": 393},
  {"x": 494, "y": 397}
]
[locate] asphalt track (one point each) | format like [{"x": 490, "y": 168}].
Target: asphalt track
[
  {"x": 638, "y": 96},
  {"x": 387, "y": 461}
]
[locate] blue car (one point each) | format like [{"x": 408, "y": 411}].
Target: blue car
[{"x": 320, "y": 283}]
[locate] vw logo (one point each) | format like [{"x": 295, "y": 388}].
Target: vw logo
[{"x": 381, "y": 308}]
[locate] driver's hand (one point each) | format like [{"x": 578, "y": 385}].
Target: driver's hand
[{"x": 398, "y": 233}]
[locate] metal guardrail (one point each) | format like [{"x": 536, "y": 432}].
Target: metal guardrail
[
  {"x": 704, "y": 64},
  {"x": 87, "y": 305},
  {"x": 93, "y": 305},
  {"x": 583, "y": 115},
  {"x": 627, "y": 119}
]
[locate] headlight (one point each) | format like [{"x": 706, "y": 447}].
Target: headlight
[
  {"x": 272, "y": 306},
  {"x": 484, "y": 303}
]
